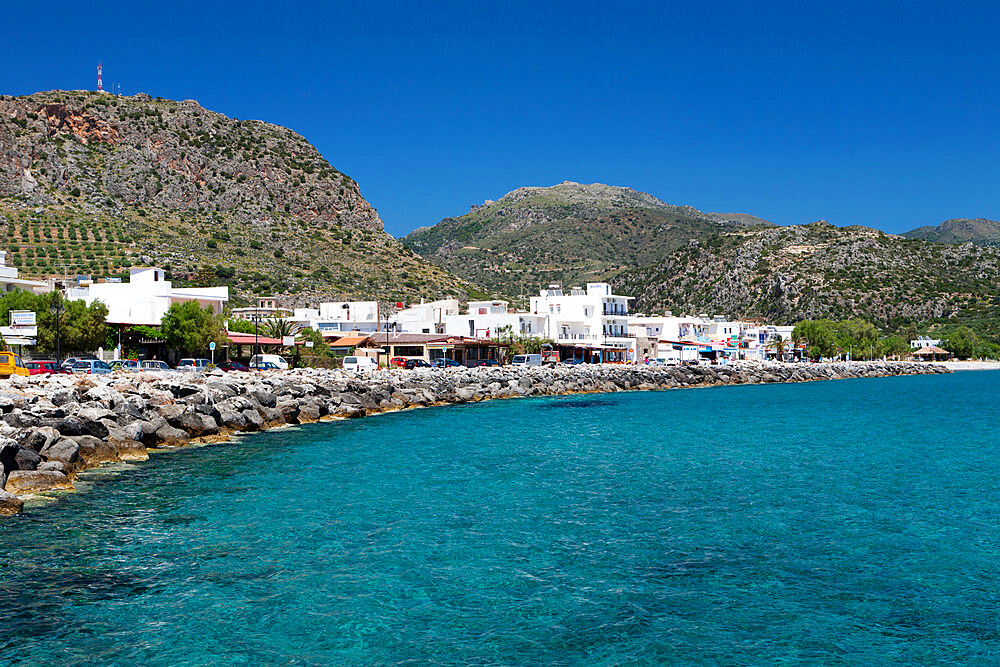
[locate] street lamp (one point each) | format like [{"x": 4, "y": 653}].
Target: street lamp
[{"x": 56, "y": 309}]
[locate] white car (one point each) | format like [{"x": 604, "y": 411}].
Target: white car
[
  {"x": 526, "y": 360},
  {"x": 192, "y": 365},
  {"x": 360, "y": 364},
  {"x": 261, "y": 359}
]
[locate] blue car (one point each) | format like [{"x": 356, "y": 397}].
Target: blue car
[
  {"x": 572, "y": 362},
  {"x": 90, "y": 367},
  {"x": 445, "y": 363}
]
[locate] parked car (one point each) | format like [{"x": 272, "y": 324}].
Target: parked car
[
  {"x": 445, "y": 363},
  {"x": 154, "y": 365},
  {"x": 526, "y": 360},
  {"x": 397, "y": 362},
  {"x": 359, "y": 364},
  {"x": 192, "y": 365},
  {"x": 486, "y": 362},
  {"x": 230, "y": 366},
  {"x": 275, "y": 359},
  {"x": 415, "y": 363},
  {"x": 127, "y": 365},
  {"x": 11, "y": 364},
  {"x": 69, "y": 361},
  {"x": 43, "y": 368},
  {"x": 264, "y": 366},
  {"x": 572, "y": 361},
  {"x": 91, "y": 367}
]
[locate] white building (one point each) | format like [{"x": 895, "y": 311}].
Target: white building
[
  {"x": 924, "y": 341},
  {"x": 9, "y": 281},
  {"x": 145, "y": 298},
  {"x": 490, "y": 319},
  {"x": 337, "y": 317},
  {"x": 592, "y": 320},
  {"x": 425, "y": 318}
]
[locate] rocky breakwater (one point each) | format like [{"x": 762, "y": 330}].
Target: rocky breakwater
[{"x": 53, "y": 427}]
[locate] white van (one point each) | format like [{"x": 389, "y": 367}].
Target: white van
[
  {"x": 276, "y": 359},
  {"x": 526, "y": 360},
  {"x": 359, "y": 364}
]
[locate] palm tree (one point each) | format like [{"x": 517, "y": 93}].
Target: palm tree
[
  {"x": 275, "y": 328},
  {"x": 778, "y": 344}
]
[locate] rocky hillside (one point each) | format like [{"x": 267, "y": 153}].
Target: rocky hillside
[
  {"x": 570, "y": 233},
  {"x": 94, "y": 183},
  {"x": 809, "y": 271},
  {"x": 980, "y": 231}
]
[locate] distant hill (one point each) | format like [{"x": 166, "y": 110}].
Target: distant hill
[
  {"x": 791, "y": 273},
  {"x": 569, "y": 233},
  {"x": 95, "y": 183},
  {"x": 741, "y": 218},
  {"x": 980, "y": 231}
]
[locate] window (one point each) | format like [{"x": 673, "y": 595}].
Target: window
[{"x": 407, "y": 350}]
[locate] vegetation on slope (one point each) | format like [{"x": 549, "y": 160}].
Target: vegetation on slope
[
  {"x": 568, "y": 233},
  {"x": 980, "y": 231},
  {"x": 787, "y": 274},
  {"x": 93, "y": 183}
]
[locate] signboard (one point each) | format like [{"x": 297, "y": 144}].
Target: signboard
[
  {"x": 22, "y": 326},
  {"x": 22, "y": 318},
  {"x": 309, "y": 343},
  {"x": 288, "y": 341},
  {"x": 211, "y": 345}
]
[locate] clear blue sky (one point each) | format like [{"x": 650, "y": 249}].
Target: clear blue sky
[{"x": 882, "y": 114}]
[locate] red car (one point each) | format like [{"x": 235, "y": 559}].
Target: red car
[
  {"x": 42, "y": 367},
  {"x": 398, "y": 362}
]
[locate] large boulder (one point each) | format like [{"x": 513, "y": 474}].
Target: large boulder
[
  {"x": 32, "y": 481},
  {"x": 263, "y": 396},
  {"x": 105, "y": 394},
  {"x": 170, "y": 436},
  {"x": 9, "y": 503},
  {"x": 232, "y": 420},
  {"x": 38, "y": 438},
  {"x": 254, "y": 422},
  {"x": 196, "y": 424},
  {"x": 27, "y": 459},
  {"x": 64, "y": 449},
  {"x": 72, "y": 426},
  {"x": 93, "y": 451}
]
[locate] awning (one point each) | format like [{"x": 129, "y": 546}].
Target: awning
[{"x": 250, "y": 339}]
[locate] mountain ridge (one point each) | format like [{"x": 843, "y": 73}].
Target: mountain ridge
[{"x": 96, "y": 183}]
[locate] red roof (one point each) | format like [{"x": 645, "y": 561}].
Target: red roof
[{"x": 249, "y": 339}]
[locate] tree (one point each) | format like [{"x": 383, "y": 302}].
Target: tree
[
  {"x": 962, "y": 342},
  {"x": 778, "y": 345},
  {"x": 190, "y": 328},
  {"x": 893, "y": 346},
  {"x": 82, "y": 328},
  {"x": 820, "y": 337},
  {"x": 241, "y": 326},
  {"x": 277, "y": 328}
]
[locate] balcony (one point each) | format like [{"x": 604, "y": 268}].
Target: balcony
[{"x": 619, "y": 312}]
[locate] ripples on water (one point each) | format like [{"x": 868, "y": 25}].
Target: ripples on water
[{"x": 845, "y": 522}]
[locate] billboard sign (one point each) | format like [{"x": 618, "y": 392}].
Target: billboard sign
[{"x": 22, "y": 318}]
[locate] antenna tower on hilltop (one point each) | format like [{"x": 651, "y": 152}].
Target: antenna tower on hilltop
[{"x": 100, "y": 83}]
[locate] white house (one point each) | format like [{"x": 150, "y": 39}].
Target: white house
[
  {"x": 489, "y": 319},
  {"x": 924, "y": 341},
  {"x": 336, "y": 317},
  {"x": 428, "y": 318},
  {"x": 9, "y": 281},
  {"x": 593, "y": 319},
  {"x": 145, "y": 298}
]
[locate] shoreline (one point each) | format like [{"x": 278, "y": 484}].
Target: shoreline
[{"x": 55, "y": 427}]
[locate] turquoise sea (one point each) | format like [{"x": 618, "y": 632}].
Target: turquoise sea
[{"x": 846, "y": 522}]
